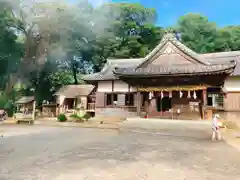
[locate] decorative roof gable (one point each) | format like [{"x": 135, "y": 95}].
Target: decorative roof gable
[{"x": 170, "y": 51}]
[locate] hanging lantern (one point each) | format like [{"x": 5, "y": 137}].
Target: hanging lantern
[
  {"x": 162, "y": 95},
  {"x": 194, "y": 95},
  {"x": 180, "y": 94},
  {"x": 189, "y": 95},
  {"x": 170, "y": 94}
]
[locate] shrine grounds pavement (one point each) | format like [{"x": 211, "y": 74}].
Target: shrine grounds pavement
[{"x": 64, "y": 153}]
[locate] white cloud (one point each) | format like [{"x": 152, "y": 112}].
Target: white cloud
[
  {"x": 98, "y": 2},
  {"x": 166, "y": 3}
]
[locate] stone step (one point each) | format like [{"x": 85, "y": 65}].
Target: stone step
[
  {"x": 107, "y": 119},
  {"x": 195, "y": 129},
  {"x": 116, "y": 112}
]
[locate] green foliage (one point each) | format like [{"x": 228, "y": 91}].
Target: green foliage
[
  {"x": 62, "y": 118},
  {"x": 10, "y": 49},
  {"x": 227, "y": 39},
  {"x": 61, "y": 78},
  {"x": 76, "y": 117},
  {"x": 7, "y": 104},
  {"x": 132, "y": 26},
  {"x": 197, "y": 32},
  {"x": 56, "y": 50},
  {"x": 87, "y": 116},
  {"x": 10, "y": 107}
]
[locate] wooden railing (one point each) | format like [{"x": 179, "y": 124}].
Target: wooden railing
[{"x": 91, "y": 107}]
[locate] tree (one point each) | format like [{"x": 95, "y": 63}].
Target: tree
[
  {"x": 27, "y": 22},
  {"x": 10, "y": 48},
  {"x": 197, "y": 32},
  {"x": 228, "y": 39},
  {"x": 74, "y": 37},
  {"x": 44, "y": 27},
  {"x": 133, "y": 28}
]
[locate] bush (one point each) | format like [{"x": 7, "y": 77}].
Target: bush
[
  {"x": 230, "y": 124},
  {"x": 7, "y": 105},
  {"x": 76, "y": 117},
  {"x": 62, "y": 118},
  {"x": 10, "y": 108},
  {"x": 87, "y": 116}
]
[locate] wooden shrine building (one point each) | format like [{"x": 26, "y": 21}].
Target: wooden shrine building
[{"x": 172, "y": 81}]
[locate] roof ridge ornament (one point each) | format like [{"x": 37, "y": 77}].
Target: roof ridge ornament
[{"x": 171, "y": 35}]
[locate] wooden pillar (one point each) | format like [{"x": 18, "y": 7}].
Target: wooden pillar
[
  {"x": 34, "y": 111},
  {"x": 139, "y": 103},
  {"x": 204, "y": 103},
  {"x": 204, "y": 97}
]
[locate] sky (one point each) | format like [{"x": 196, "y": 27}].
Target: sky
[{"x": 223, "y": 12}]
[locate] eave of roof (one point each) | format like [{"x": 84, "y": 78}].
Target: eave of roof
[
  {"x": 25, "y": 100},
  {"x": 107, "y": 71},
  {"x": 185, "y": 70},
  {"x": 72, "y": 91}
]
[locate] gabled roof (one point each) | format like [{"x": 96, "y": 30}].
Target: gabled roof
[
  {"x": 208, "y": 60},
  {"x": 72, "y": 91},
  {"x": 170, "y": 38},
  {"x": 159, "y": 62}
]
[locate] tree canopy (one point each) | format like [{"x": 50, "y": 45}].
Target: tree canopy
[{"x": 47, "y": 44}]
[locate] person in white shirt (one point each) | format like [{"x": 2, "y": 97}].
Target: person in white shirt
[{"x": 216, "y": 135}]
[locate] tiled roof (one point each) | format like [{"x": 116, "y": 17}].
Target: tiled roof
[
  {"x": 219, "y": 59},
  {"x": 107, "y": 71},
  {"x": 192, "y": 69},
  {"x": 25, "y": 99},
  {"x": 169, "y": 37},
  {"x": 224, "y": 57},
  {"x": 71, "y": 91},
  {"x": 221, "y": 56}
]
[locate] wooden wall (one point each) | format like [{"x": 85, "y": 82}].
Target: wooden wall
[
  {"x": 232, "y": 99},
  {"x": 114, "y": 86}
]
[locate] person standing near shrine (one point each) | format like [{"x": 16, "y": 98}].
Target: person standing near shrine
[{"x": 216, "y": 134}]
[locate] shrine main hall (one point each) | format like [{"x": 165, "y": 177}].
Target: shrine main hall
[{"x": 172, "y": 81}]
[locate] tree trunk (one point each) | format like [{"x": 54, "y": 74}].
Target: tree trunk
[{"x": 74, "y": 71}]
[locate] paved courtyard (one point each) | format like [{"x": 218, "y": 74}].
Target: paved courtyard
[{"x": 53, "y": 153}]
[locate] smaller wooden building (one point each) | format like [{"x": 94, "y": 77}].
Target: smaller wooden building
[
  {"x": 25, "y": 104},
  {"x": 71, "y": 97},
  {"x": 26, "y": 109}
]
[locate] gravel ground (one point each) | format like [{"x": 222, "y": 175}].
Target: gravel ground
[{"x": 48, "y": 153}]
